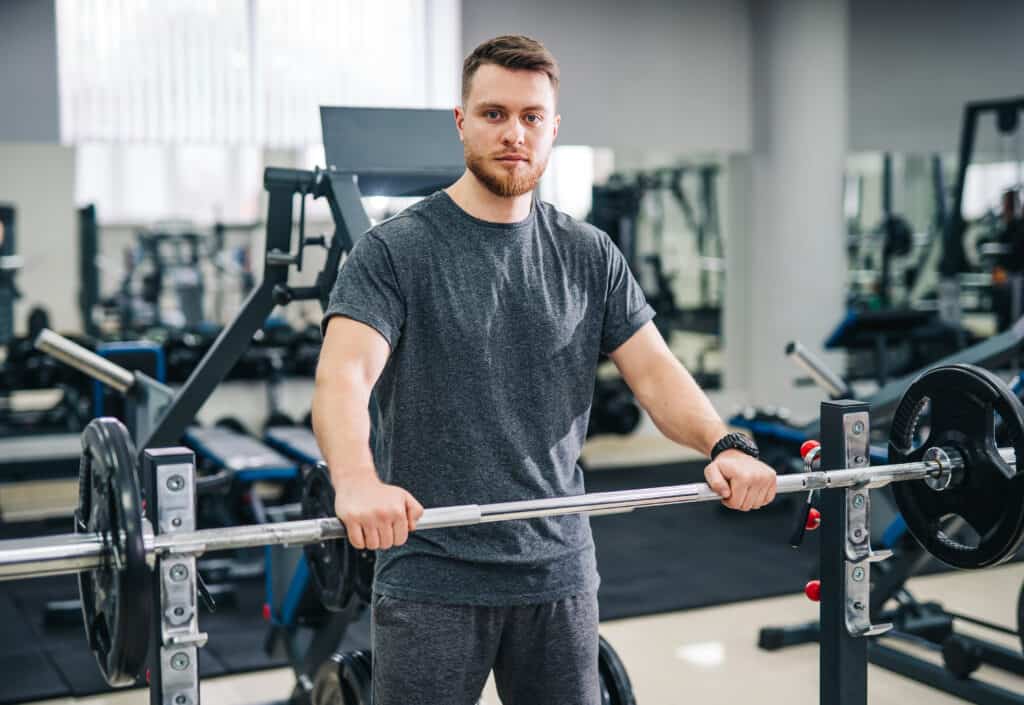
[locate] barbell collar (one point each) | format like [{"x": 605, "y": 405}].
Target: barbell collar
[
  {"x": 73, "y": 553},
  {"x": 85, "y": 361}
]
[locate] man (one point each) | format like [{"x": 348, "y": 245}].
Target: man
[{"x": 480, "y": 313}]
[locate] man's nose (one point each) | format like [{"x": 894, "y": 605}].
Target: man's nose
[{"x": 514, "y": 134}]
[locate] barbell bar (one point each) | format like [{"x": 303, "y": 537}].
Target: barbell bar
[
  {"x": 73, "y": 553},
  {"x": 85, "y": 361}
]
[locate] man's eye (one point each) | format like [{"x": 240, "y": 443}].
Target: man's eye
[
  {"x": 492, "y": 114},
  {"x": 533, "y": 118}
]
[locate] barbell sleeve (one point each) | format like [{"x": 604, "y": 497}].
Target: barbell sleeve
[
  {"x": 818, "y": 370},
  {"x": 84, "y": 360},
  {"x": 50, "y": 555},
  {"x": 72, "y": 553}
]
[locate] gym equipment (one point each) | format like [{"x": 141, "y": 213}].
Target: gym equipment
[
  {"x": 615, "y": 686},
  {"x": 114, "y": 548},
  {"x": 247, "y": 458},
  {"x": 776, "y": 437},
  {"x": 614, "y": 409},
  {"x": 618, "y": 209},
  {"x": 115, "y": 594},
  {"x": 990, "y": 500},
  {"x": 1020, "y": 616},
  {"x": 10, "y": 264},
  {"x": 346, "y": 678},
  {"x": 954, "y": 258},
  {"x": 340, "y": 571},
  {"x": 88, "y": 269},
  {"x": 893, "y": 342},
  {"x": 296, "y": 442}
]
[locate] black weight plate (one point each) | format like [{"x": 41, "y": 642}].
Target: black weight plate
[
  {"x": 116, "y": 595},
  {"x": 363, "y": 562},
  {"x": 606, "y": 697},
  {"x": 989, "y": 494},
  {"x": 328, "y": 560},
  {"x": 340, "y": 572},
  {"x": 329, "y": 687},
  {"x": 359, "y": 676},
  {"x": 613, "y": 676},
  {"x": 1020, "y": 617}
]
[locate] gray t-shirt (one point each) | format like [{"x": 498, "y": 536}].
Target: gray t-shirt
[{"x": 495, "y": 332}]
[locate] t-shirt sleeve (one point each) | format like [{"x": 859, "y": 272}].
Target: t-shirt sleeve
[
  {"x": 626, "y": 309},
  {"x": 367, "y": 290}
]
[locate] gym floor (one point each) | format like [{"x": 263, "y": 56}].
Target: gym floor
[
  {"x": 705, "y": 655},
  {"x": 710, "y": 655}
]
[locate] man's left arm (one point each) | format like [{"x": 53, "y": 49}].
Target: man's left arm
[{"x": 681, "y": 411}]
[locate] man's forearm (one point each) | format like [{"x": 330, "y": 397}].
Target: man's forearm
[
  {"x": 341, "y": 422},
  {"x": 679, "y": 407}
]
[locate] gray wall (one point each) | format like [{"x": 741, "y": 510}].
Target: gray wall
[
  {"x": 642, "y": 74},
  {"x": 28, "y": 71},
  {"x": 795, "y": 254},
  {"x": 39, "y": 180},
  {"x": 36, "y": 174},
  {"x": 914, "y": 64}
]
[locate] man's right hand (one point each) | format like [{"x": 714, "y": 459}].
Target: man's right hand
[{"x": 376, "y": 515}]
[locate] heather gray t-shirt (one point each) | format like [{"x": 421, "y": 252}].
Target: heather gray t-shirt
[{"x": 495, "y": 332}]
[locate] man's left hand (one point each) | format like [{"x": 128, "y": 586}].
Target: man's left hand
[{"x": 744, "y": 482}]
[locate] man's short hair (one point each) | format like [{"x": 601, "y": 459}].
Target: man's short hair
[{"x": 510, "y": 51}]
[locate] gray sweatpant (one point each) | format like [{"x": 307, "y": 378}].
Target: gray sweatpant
[{"x": 432, "y": 654}]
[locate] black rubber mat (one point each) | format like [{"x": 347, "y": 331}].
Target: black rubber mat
[{"x": 683, "y": 556}]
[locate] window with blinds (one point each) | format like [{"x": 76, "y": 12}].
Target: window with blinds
[{"x": 176, "y": 106}]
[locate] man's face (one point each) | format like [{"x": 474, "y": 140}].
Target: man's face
[{"x": 508, "y": 127}]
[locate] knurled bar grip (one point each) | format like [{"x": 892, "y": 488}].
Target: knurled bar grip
[
  {"x": 72, "y": 553},
  {"x": 85, "y": 361}
]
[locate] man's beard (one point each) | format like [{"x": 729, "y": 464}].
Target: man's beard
[{"x": 506, "y": 184}]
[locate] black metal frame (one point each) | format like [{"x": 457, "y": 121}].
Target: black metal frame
[
  {"x": 954, "y": 259},
  {"x": 843, "y": 659},
  {"x": 360, "y": 163},
  {"x": 282, "y": 186}
]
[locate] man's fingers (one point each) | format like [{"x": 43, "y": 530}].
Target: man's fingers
[
  {"x": 717, "y": 481},
  {"x": 741, "y": 498},
  {"x": 413, "y": 511},
  {"x": 769, "y": 486},
  {"x": 387, "y": 536},
  {"x": 355, "y": 536},
  {"x": 401, "y": 532}
]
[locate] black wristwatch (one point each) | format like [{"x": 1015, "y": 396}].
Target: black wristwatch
[{"x": 735, "y": 441}]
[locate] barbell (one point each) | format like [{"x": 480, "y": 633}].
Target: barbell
[{"x": 956, "y": 470}]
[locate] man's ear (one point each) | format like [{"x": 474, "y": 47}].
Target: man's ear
[
  {"x": 460, "y": 119},
  {"x": 558, "y": 121}
]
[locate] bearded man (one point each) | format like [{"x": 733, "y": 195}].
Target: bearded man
[{"x": 479, "y": 314}]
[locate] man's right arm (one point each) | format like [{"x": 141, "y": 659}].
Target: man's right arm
[{"x": 353, "y": 356}]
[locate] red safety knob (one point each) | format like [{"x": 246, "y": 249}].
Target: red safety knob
[
  {"x": 807, "y": 446},
  {"x": 813, "y": 590},
  {"x": 813, "y": 519},
  {"x": 149, "y": 679},
  {"x": 266, "y": 611}
]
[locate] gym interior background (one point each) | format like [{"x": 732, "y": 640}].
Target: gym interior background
[{"x": 775, "y": 172}]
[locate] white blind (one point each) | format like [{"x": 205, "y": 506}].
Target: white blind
[{"x": 246, "y": 71}]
